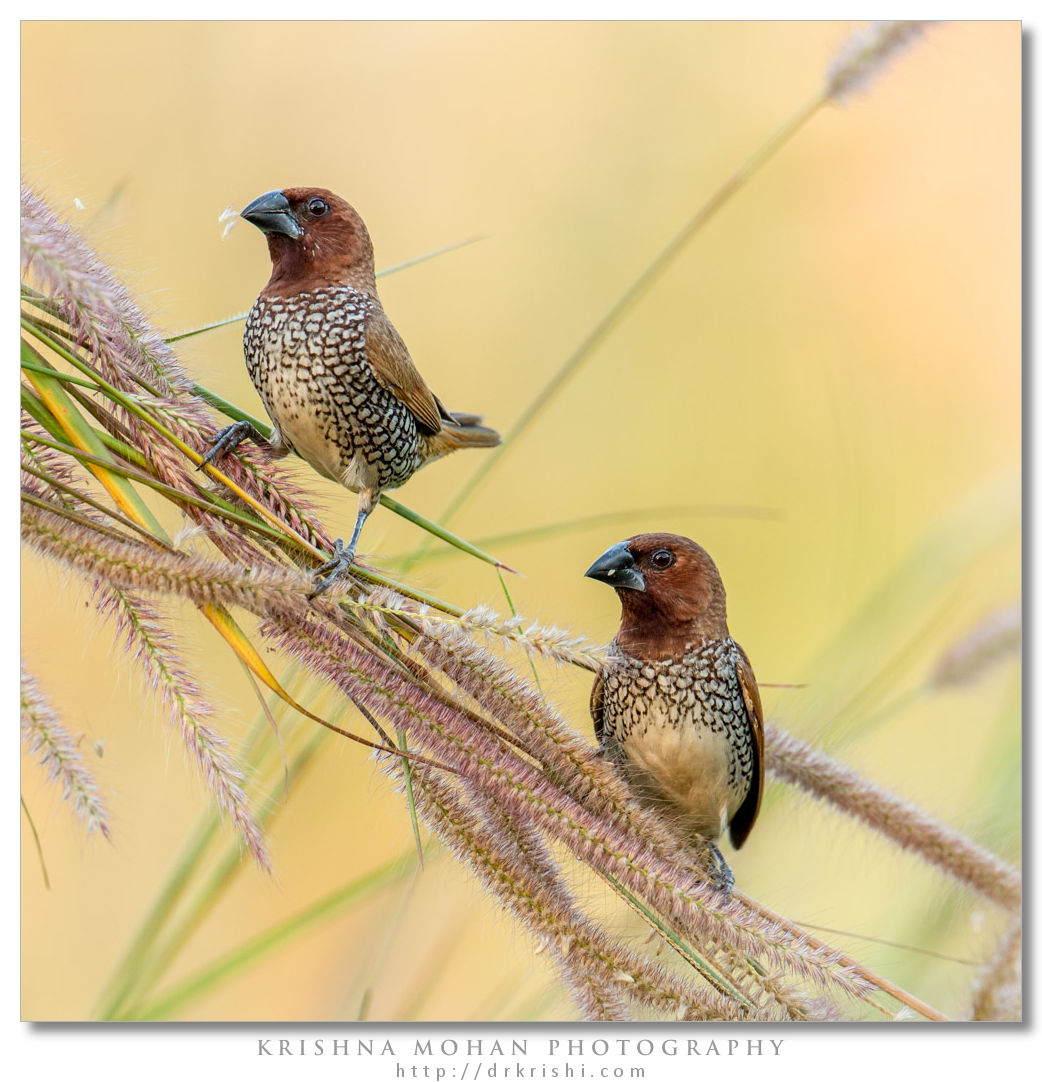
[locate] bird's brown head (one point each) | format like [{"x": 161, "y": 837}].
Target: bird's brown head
[
  {"x": 315, "y": 239},
  {"x": 671, "y": 593}
]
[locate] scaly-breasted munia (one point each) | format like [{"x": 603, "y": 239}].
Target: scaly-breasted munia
[
  {"x": 676, "y": 703},
  {"x": 333, "y": 373}
]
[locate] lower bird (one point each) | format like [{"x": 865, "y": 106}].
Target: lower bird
[
  {"x": 676, "y": 702},
  {"x": 334, "y": 375}
]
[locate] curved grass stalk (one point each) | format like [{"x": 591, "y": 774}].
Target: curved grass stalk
[
  {"x": 157, "y": 943},
  {"x": 831, "y": 781},
  {"x": 413, "y": 262},
  {"x": 554, "y": 643},
  {"x": 249, "y": 953},
  {"x": 36, "y": 843},
  {"x": 862, "y": 59},
  {"x": 565, "y": 527},
  {"x": 207, "y": 584},
  {"x": 627, "y": 300}
]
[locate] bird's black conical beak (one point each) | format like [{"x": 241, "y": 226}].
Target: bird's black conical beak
[
  {"x": 271, "y": 213},
  {"x": 617, "y": 568}
]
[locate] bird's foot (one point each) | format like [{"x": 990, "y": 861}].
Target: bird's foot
[
  {"x": 342, "y": 559},
  {"x": 722, "y": 876},
  {"x": 227, "y": 440}
]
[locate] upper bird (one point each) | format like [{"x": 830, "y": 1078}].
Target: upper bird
[
  {"x": 676, "y": 702},
  {"x": 333, "y": 373}
]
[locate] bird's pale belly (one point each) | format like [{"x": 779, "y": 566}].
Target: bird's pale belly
[
  {"x": 306, "y": 424},
  {"x": 687, "y": 767}
]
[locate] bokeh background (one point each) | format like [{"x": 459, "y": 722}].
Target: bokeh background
[{"x": 824, "y": 390}]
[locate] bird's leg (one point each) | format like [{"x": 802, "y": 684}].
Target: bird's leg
[
  {"x": 723, "y": 877},
  {"x": 343, "y": 557},
  {"x": 337, "y": 565},
  {"x": 227, "y": 440}
]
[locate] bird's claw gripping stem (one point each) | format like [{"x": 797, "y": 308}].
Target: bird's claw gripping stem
[
  {"x": 344, "y": 555},
  {"x": 341, "y": 560},
  {"x": 723, "y": 877},
  {"x": 227, "y": 440}
]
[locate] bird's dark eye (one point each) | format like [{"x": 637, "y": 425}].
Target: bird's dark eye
[
  {"x": 663, "y": 558},
  {"x": 317, "y": 207}
]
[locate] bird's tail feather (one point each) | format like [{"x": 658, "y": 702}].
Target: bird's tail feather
[
  {"x": 465, "y": 420},
  {"x": 464, "y": 431}
]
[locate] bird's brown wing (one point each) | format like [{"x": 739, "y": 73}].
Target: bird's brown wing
[
  {"x": 597, "y": 707},
  {"x": 744, "y": 818},
  {"x": 394, "y": 371}
]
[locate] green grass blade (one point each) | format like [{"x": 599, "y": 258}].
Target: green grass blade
[
  {"x": 415, "y": 261},
  {"x": 685, "y": 949},
  {"x": 403, "y": 745},
  {"x": 547, "y": 531},
  {"x": 232, "y": 411},
  {"x": 227, "y": 321},
  {"x": 32, "y": 403},
  {"x": 256, "y": 948},
  {"x": 35, "y": 408},
  {"x": 86, "y": 498},
  {"x": 626, "y": 301},
  {"x": 128, "y": 975},
  {"x": 208, "y": 501},
  {"x": 440, "y": 532},
  {"x": 905, "y": 602},
  {"x": 513, "y": 612},
  {"x": 266, "y": 431},
  {"x": 150, "y": 953},
  {"x": 37, "y": 843},
  {"x": 77, "y": 430},
  {"x": 64, "y": 377}
]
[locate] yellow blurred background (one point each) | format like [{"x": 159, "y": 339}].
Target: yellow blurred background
[{"x": 824, "y": 390}]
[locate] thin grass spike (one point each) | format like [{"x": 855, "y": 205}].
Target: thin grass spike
[
  {"x": 866, "y": 53},
  {"x": 45, "y": 737}
]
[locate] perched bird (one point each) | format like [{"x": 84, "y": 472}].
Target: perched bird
[
  {"x": 676, "y": 703},
  {"x": 333, "y": 373}
]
